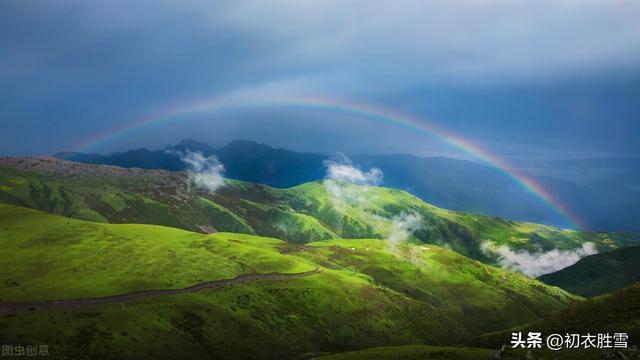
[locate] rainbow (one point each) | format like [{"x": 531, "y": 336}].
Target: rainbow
[{"x": 349, "y": 107}]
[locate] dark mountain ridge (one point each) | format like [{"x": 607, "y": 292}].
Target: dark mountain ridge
[
  {"x": 598, "y": 274},
  {"x": 606, "y": 205}
]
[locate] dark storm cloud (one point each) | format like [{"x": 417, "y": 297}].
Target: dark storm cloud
[{"x": 560, "y": 74}]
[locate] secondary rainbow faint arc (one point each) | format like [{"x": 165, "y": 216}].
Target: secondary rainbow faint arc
[{"x": 363, "y": 110}]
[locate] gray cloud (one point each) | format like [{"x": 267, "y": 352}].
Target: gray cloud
[
  {"x": 86, "y": 67},
  {"x": 303, "y": 43},
  {"x": 456, "y": 41}
]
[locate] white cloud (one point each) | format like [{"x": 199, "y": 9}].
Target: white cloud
[
  {"x": 348, "y": 188},
  {"x": 538, "y": 263},
  {"x": 344, "y": 170},
  {"x": 347, "y": 185},
  {"x": 204, "y": 171}
]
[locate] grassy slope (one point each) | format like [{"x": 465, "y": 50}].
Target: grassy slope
[
  {"x": 57, "y": 257},
  {"x": 443, "y": 279},
  {"x": 301, "y": 214},
  {"x": 368, "y": 295},
  {"x": 600, "y": 273},
  {"x": 616, "y": 312},
  {"x": 461, "y": 231}
]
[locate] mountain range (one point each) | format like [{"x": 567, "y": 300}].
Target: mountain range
[{"x": 604, "y": 205}]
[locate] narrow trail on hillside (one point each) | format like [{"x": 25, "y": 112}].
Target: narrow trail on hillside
[{"x": 21, "y": 306}]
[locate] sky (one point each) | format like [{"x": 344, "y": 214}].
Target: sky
[{"x": 532, "y": 79}]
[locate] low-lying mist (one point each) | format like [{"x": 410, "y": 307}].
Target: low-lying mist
[{"x": 535, "y": 264}]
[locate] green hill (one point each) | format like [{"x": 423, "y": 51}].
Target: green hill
[
  {"x": 368, "y": 294},
  {"x": 600, "y": 273},
  {"x": 309, "y": 212},
  {"x": 618, "y": 312}
]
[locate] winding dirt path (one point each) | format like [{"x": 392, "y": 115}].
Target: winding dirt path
[{"x": 21, "y": 306}]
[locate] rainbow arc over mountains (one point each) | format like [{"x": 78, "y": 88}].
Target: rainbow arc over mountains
[{"x": 363, "y": 110}]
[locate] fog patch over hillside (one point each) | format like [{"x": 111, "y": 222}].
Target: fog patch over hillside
[
  {"x": 402, "y": 227},
  {"x": 203, "y": 171},
  {"x": 344, "y": 170},
  {"x": 349, "y": 187},
  {"x": 342, "y": 174},
  {"x": 535, "y": 264}
]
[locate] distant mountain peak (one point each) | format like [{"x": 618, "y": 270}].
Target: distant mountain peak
[
  {"x": 80, "y": 157},
  {"x": 190, "y": 144},
  {"x": 242, "y": 143},
  {"x": 244, "y": 149}
]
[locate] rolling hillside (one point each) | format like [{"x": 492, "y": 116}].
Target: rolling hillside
[
  {"x": 599, "y": 274},
  {"x": 613, "y": 313},
  {"x": 309, "y": 212},
  {"x": 366, "y": 294}
]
